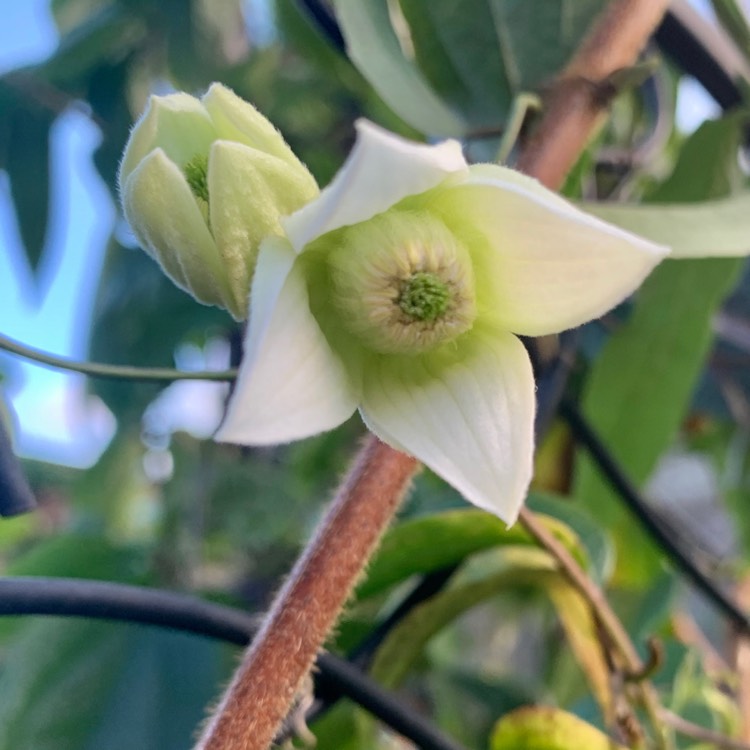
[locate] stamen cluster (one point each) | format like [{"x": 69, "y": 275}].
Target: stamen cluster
[{"x": 403, "y": 284}]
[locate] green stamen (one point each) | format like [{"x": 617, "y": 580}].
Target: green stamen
[
  {"x": 424, "y": 296},
  {"x": 196, "y": 173}
]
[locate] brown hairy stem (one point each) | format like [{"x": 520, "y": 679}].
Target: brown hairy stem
[
  {"x": 577, "y": 100},
  {"x": 307, "y": 607},
  {"x": 265, "y": 685},
  {"x": 607, "y": 619}
]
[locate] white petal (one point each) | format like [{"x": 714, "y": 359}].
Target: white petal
[
  {"x": 238, "y": 120},
  {"x": 166, "y": 220},
  {"x": 291, "y": 384},
  {"x": 546, "y": 266},
  {"x": 177, "y": 123},
  {"x": 469, "y": 417},
  {"x": 249, "y": 190},
  {"x": 381, "y": 170}
]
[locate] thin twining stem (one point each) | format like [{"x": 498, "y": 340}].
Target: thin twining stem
[
  {"x": 702, "y": 734},
  {"x": 605, "y": 616},
  {"x": 662, "y": 536},
  {"x": 114, "y": 372}
]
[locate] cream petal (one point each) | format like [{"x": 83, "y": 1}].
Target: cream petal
[
  {"x": 178, "y": 124},
  {"x": 291, "y": 383},
  {"x": 381, "y": 170},
  {"x": 166, "y": 219},
  {"x": 543, "y": 265},
  {"x": 468, "y": 414},
  {"x": 249, "y": 190},
  {"x": 237, "y": 120}
]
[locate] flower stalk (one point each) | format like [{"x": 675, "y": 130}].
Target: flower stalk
[{"x": 308, "y": 606}]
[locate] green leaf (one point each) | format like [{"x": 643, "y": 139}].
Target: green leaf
[
  {"x": 28, "y": 165},
  {"x": 374, "y": 48},
  {"x": 474, "y": 56},
  {"x": 108, "y": 33},
  {"x": 543, "y": 728},
  {"x": 537, "y": 38},
  {"x": 510, "y": 568},
  {"x": 715, "y": 228},
  {"x": 640, "y": 385},
  {"x": 78, "y": 685},
  {"x": 456, "y": 48},
  {"x": 438, "y": 541},
  {"x": 484, "y": 576}
]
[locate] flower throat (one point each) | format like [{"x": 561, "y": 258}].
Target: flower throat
[{"x": 403, "y": 283}]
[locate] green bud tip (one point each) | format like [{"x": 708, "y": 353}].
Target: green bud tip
[
  {"x": 196, "y": 174},
  {"x": 424, "y": 296}
]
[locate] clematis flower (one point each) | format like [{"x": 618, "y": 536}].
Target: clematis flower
[
  {"x": 202, "y": 183},
  {"x": 400, "y": 291}
]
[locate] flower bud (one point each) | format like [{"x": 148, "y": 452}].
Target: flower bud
[{"x": 202, "y": 183}]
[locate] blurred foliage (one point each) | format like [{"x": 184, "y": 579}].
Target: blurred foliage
[{"x": 163, "y": 507}]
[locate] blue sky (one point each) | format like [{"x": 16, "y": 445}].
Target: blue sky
[{"x": 55, "y": 419}]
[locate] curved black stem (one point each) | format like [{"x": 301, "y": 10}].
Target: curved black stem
[
  {"x": 136, "y": 604},
  {"x": 709, "y": 61},
  {"x": 16, "y": 496},
  {"x": 651, "y": 523}
]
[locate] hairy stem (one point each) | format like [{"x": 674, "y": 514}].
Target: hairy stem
[
  {"x": 575, "y": 103},
  {"x": 307, "y": 607}
]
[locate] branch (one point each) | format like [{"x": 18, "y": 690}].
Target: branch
[
  {"x": 697, "y": 732},
  {"x": 575, "y": 104},
  {"x": 608, "y": 620},
  {"x": 116, "y": 372},
  {"x": 307, "y": 608}
]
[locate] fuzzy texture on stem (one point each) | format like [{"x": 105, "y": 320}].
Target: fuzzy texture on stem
[
  {"x": 574, "y": 104},
  {"x": 309, "y": 604},
  {"x": 264, "y": 687}
]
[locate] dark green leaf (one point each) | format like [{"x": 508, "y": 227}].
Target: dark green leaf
[
  {"x": 28, "y": 165},
  {"x": 78, "y": 685},
  {"x": 438, "y": 541},
  {"x": 475, "y": 56}
]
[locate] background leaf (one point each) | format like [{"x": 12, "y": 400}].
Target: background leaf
[{"x": 640, "y": 385}]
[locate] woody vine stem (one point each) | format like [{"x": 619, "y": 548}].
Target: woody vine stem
[{"x": 275, "y": 665}]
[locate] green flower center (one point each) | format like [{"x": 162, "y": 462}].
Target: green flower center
[
  {"x": 402, "y": 283},
  {"x": 196, "y": 174},
  {"x": 424, "y": 296}
]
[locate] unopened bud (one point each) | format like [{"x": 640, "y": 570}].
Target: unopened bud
[{"x": 203, "y": 182}]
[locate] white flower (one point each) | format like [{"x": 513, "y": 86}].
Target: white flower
[
  {"x": 398, "y": 291},
  {"x": 202, "y": 183}
]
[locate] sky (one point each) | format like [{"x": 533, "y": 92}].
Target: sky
[{"x": 55, "y": 419}]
